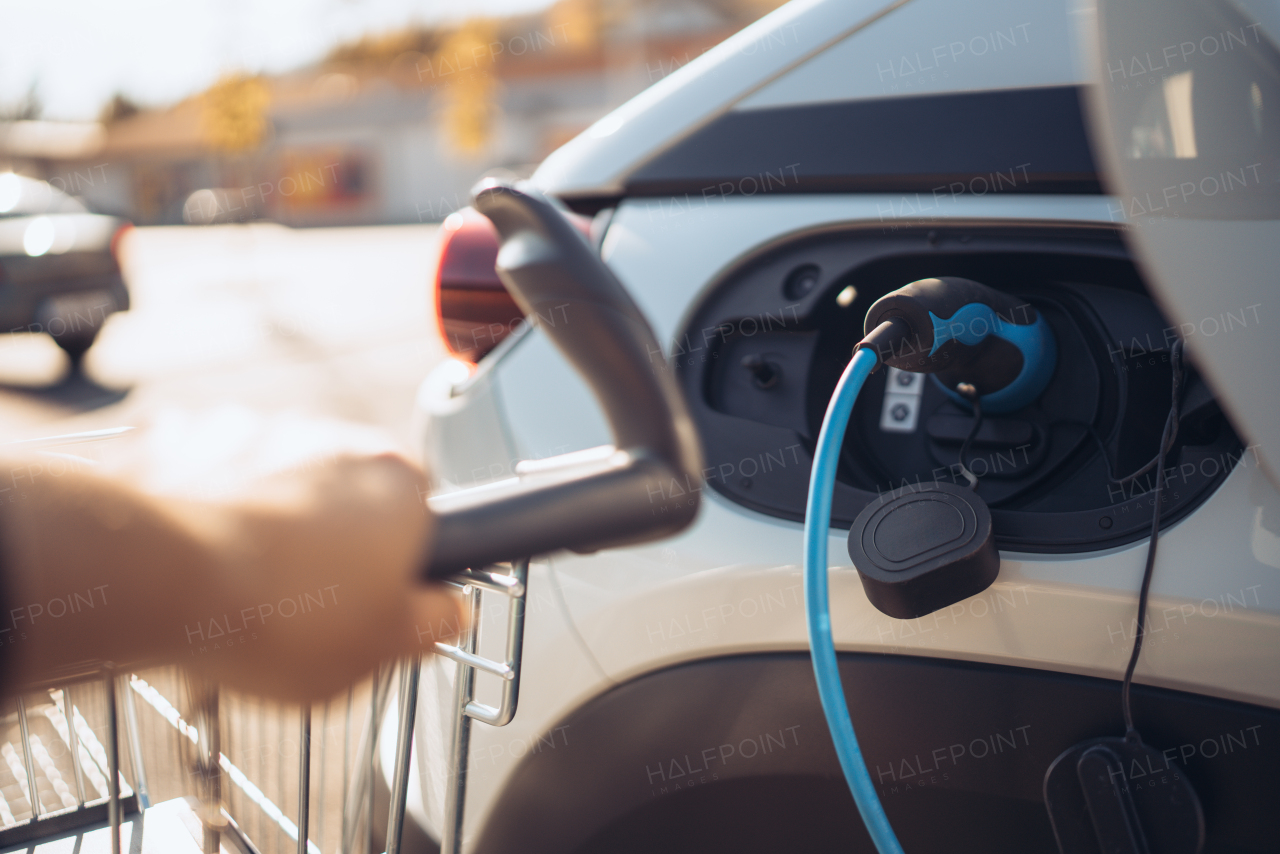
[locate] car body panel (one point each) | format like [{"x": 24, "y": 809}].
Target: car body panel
[
  {"x": 819, "y": 52},
  {"x": 666, "y": 282},
  {"x": 731, "y": 584},
  {"x": 464, "y": 435},
  {"x": 598, "y": 160},
  {"x": 733, "y": 754},
  {"x": 931, "y": 46}
]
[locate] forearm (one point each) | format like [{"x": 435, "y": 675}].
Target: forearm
[
  {"x": 292, "y": 589},
  {"x": 97, "y": 570}
]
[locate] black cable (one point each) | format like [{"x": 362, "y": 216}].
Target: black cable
[
  {"x": 1165, "y": 445},
  {"x": 969, "y": 393},
  {"x": 1166, "y": 442}
]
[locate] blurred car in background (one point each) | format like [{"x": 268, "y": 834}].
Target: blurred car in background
[
  {"x": 59, "y": 267},
  {"x": 218, "y": 205}
]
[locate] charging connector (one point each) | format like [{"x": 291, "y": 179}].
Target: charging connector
[
  {"x": 960, "y": 330},
  {"x": 932, "y": 545}
]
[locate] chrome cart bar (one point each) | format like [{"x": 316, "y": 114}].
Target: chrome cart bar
[
  {"x": 92, "y": 804},
  {"x": 32, "y": 794},
  {"x": 69, "y": 438},
  {"x": 464, "y": 683},
  {"x": 73, "y": 742},
  {"x": 360, "y": 790},
  {"x": 410, "y": 672},
  {"x": 378, "y": 700},
  {"x": 304, "y": 779},
  {"x": 135, "y": 748},
  {"x": 208, "y": 748},
  {"x": 466, "y": 708},
  {"x": 346, "y": 761},
  {"x": 484, "y": 665},
  {"x": 113, "y": 758},
  {"x": 509, "y": 585}
]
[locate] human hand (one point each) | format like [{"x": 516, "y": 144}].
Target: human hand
[{"x": 278, "y": 556}]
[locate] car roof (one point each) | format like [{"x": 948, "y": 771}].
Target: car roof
[{"x": 23, "y": 196}]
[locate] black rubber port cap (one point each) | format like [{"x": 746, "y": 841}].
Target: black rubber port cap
[
  {"x": 1111, "y": 794},
  {"x": 924, "y": 548}
]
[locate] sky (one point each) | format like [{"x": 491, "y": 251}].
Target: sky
[{"x": 78, "y": 53}]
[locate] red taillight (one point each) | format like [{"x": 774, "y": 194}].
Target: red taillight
[
  {"x": 473, "y": 309},
  {"x": 117, "y": 237}
]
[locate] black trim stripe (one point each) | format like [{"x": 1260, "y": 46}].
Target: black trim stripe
[{"x": 1011, "y": 140}]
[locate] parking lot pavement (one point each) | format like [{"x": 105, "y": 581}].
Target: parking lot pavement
[{"x": 322, "y": 321}]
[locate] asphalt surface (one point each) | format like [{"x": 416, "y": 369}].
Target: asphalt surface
[{"x": 319, "y": 321}]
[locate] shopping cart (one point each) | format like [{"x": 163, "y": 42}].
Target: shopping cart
[{"x": 225, "y": 782}]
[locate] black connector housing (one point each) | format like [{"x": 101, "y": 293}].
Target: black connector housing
[
  {"x": 890, "y": 337},
  {"x": 924, "y": 548},
  {"x": 913, "y": 308}
]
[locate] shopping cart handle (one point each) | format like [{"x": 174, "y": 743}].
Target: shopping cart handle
[{"x": 645, "y": 487}]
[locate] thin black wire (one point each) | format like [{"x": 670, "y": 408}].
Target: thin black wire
[
  {"x": 1165, "y": 446},
  {"x": 1166, "y": 442},
  {"x": 970, "y": 394}
]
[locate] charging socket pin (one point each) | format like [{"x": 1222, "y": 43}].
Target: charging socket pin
[{"x": 900, "y": 410}]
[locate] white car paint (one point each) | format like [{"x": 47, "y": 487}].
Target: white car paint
[
  {"x": 731, "y": 582},
  {"x": 598, "y": 159},
  {"x": 932, "y": 46}
]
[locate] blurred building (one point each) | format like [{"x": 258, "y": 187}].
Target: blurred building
[{"x": 388, "y": 129}]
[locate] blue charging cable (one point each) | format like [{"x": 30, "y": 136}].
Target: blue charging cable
[{"x": 817, "y": 606}]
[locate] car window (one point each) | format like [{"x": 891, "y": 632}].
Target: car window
[{"x": 22, "y": 196}]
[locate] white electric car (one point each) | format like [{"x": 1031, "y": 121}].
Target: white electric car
[{"x": 754, "y": 204}]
